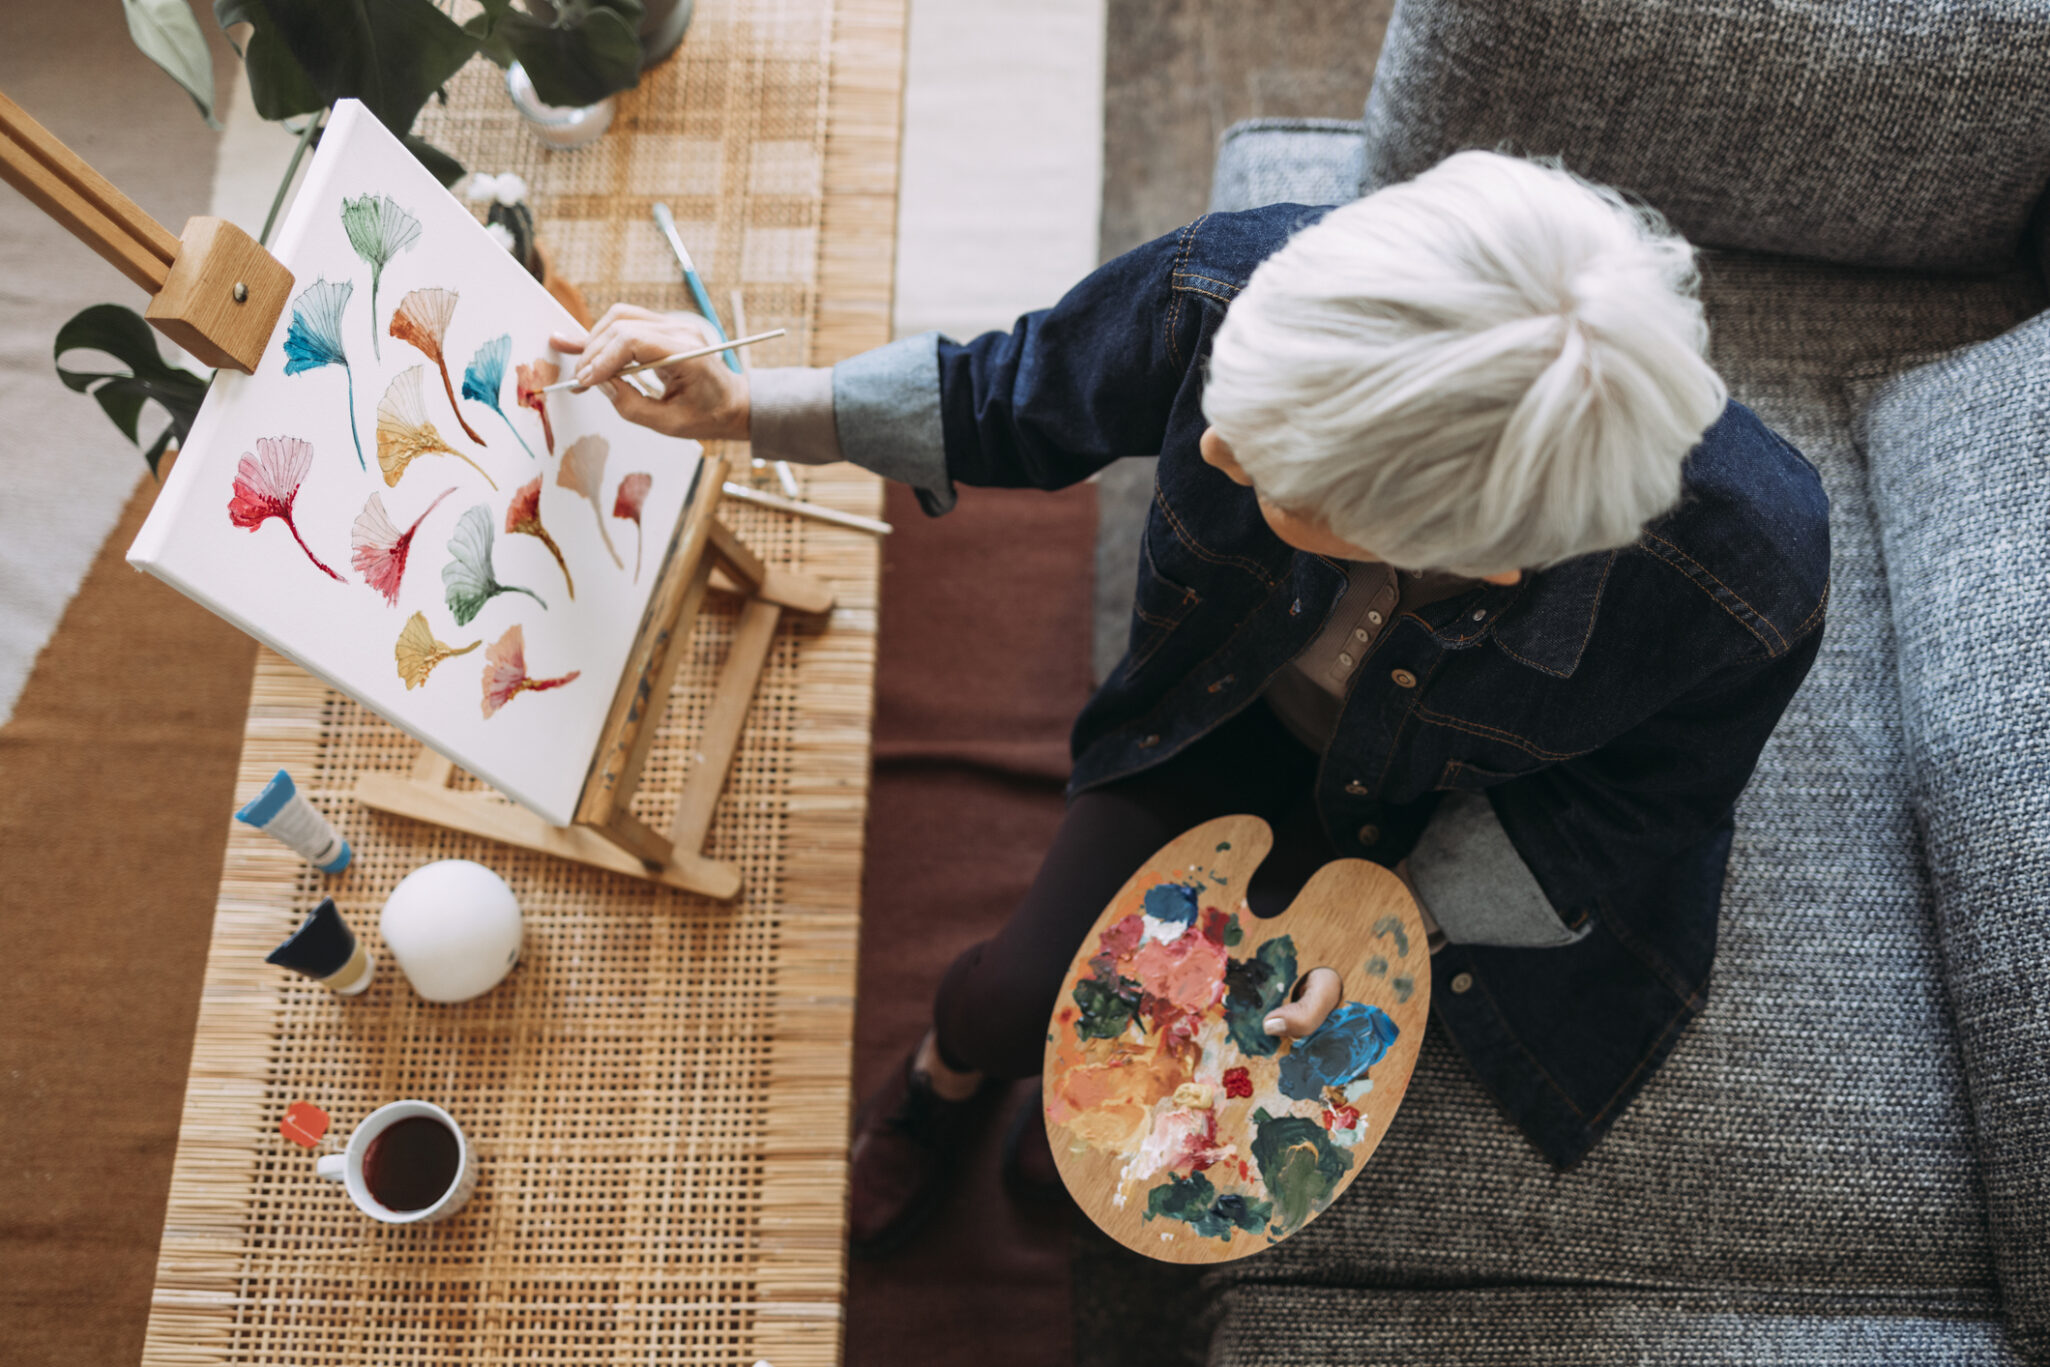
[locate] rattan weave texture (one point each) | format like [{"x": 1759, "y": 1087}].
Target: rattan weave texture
[{"x": 659, "y": 1092}]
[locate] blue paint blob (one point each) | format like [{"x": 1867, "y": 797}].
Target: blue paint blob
[
  {"x": 1172, "y": 902},
  {"x": 1351, "y": 1040}
]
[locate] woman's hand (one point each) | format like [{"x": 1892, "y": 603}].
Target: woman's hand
[{"x": 700, "y": 399}]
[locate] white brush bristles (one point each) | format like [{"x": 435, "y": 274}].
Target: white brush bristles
[{"x": 1494, "y": 366}]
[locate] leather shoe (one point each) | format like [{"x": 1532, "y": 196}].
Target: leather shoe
[{"x": 907, "y": 1144}]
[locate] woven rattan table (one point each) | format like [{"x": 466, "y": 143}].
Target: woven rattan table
[{"x": 659, "y": 1093}]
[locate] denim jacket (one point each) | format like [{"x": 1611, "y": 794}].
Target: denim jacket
[{"x": 1591, "y": 724}]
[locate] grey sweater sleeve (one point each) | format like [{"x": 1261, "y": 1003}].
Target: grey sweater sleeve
[
  {"x": 880, "y": 410},
  {"x": 1477, "y": 886}
]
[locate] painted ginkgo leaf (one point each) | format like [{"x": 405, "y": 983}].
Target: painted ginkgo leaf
[
  {"x": 422, "y": 319},
  {"x": 534, "y": 377},
  {"x": 505, "y": 671},
  {"x": 468, "y": 576},
  {"x": 627, "y": 503},
  {"x": 418, "y": 652},
  {"x": 379, "y": 548},
  {"x": 403, "y": 432},
  {"x": 583, "y": 472},
  {"x": 379, "y": 230},
  {"x": 523, "y": 518},
  {"x": 266, "y": 486},
  {"x": 315, "y": 340},
  {"x": 485, "y": 377}
]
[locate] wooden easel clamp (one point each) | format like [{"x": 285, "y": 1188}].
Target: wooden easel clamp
[{"x": 219, "y": 294}]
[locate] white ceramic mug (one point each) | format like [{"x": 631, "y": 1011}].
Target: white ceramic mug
[{"x": 346, "y": 1167}]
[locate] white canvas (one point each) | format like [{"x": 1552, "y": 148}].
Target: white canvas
[{"x": 536, "y": 746}]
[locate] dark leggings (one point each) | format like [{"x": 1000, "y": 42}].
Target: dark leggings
[{"x": 993, "y": 1005}]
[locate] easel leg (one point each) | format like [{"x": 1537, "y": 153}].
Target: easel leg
[{"x": 754, "y": 635}]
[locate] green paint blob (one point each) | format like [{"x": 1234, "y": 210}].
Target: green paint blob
[
  {"x": 1195, "y": 1202},
  {"x": 1232, "y": 933},
  {"x": 1106, "y": 1010},
  {"x": 1378, "y": 966},
  {"x": 1254, "y": 987},
  {"x": 1224, "y": 844},
  {"x": 1301, "y": 1167},
  {"x": 1403, "y": 986},
  {"x": 1392, "y": 925}
]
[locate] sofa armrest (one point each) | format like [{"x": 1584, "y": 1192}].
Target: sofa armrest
[{"x": 1961, "y": 491}]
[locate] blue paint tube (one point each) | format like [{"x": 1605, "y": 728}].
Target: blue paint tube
[
  {"x": 325, "y": 949},
  {"x": 282, "y": 812}
]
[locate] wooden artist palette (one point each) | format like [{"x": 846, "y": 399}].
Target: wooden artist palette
[{"x": 1185, "y": 1131}]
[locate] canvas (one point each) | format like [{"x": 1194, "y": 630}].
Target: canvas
[{"x": 390, "y": 503}]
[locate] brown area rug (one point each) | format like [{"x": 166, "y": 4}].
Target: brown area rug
[
  {"x": 116, "y": 778},
  {"x": 117, "y": 775},
  {"x": 983, "y": 665}
]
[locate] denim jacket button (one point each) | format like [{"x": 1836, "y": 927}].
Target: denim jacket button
[
  {"x": 1356, "y": 789},
  {"x": 1370, "y": 835},
  {"x": 1403, "y": 678},
  {"x": 1149, "y": 742},
  {"x": 1462, "y": 982}
]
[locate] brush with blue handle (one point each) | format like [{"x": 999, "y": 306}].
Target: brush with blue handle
[{"x": 667, "y": 223}]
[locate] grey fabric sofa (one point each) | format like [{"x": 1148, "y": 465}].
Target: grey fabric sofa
[{"x": 1847, "y": 1157}]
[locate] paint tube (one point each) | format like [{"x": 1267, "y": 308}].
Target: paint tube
[
  {"x": 282, "y": 812},
  {"x": 325, "y": 949}
]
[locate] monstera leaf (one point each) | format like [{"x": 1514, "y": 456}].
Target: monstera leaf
[
  {"x": 590, "y": 49},
  {"x": 168, "y": 35},
  {"x": 390, "y": 54},
  {"x": 122, "y": 334}
]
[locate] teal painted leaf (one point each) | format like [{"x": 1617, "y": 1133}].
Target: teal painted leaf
[{"x": 468, "y": 576}]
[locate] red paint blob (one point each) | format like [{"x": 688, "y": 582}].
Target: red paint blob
[
  {"x": 1238, "y": 1082},
  {"x": 304, "y": 1124}
]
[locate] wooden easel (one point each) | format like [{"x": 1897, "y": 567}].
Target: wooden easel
[{"x": 217, "y": 293}]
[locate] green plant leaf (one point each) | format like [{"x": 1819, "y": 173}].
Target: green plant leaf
[
  {"x": 122, "y": 334},
  {"x": 593, "y": 49},
  {"x": 444, "y": 167},
  {"x": 304, "y": 55},
  {"x": 169, "y": 36}
]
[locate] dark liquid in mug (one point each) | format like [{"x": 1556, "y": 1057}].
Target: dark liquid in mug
[{"x": 411, "y": 1164}]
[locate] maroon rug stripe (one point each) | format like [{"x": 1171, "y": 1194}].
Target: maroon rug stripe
[{"x": 983, "y": 665}]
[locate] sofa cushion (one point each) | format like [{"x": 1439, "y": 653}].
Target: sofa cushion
[
  {"x": 1561, "y": 1326},
  {"x": 1812, "y": 1129},
  {"x": 1862, "y": 131},
  {"x": 1958, "y": 454}
]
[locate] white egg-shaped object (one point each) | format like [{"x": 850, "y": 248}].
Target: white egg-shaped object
[{"x": 454, "y": 926}]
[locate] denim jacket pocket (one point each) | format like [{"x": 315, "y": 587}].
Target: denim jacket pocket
[
  {"x": 1158, "y": 607},
  {"x": 1460, "y": 777}
]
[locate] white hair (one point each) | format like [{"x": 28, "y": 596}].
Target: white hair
[{"x": 1493, "y": 366}]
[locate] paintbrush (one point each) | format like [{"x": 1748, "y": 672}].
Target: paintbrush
[
  {"x": 679, "y": 356},
  {"x": 667, "y": 223},
  {"x": 803, "y": 509}
]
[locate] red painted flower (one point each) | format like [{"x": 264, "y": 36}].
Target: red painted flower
[
  {"x": 633, "y": 492},
  {"x": 381, "y": 548},
  {"x": 505, "y": 671},
  {"x": 1238, "y": 1082},
  {"x": 266, "y": 484},
  {"x": 530, "y": 380}
]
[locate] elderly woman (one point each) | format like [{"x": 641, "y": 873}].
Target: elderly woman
[{"x": 1460, "y": 560}]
